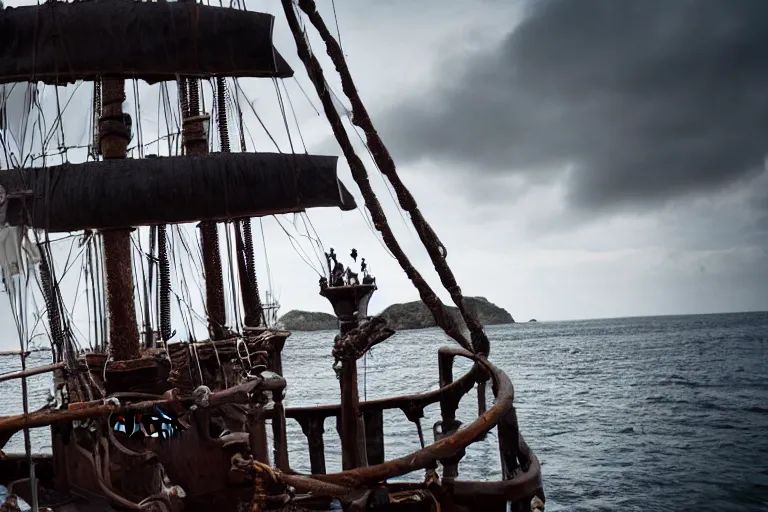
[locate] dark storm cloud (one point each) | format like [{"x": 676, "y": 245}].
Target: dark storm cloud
[{"x": 639, "y": 100}]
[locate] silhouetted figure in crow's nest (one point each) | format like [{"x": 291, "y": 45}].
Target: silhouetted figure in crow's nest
[
  {"x": 352, "y": 278},
  {"x": 337, "y": 276},
  {"x": 328, "y": 258},
  {"x": 367, "y": 278}
]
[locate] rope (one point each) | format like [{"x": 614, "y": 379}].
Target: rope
[
  {"x": 221, "y": 109},
  {"x": 383, "y": 159},
  {"x": 164, "y": 283},
  {"x": 360, "y": 175}
]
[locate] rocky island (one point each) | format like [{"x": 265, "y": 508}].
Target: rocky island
[
  {"x": 308, "y": 321},
  {"x": 415, "y": 315},
  {"x": 409, "y": 315}
]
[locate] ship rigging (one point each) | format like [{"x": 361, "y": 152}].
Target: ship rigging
[{"x": 177, "y": 336}]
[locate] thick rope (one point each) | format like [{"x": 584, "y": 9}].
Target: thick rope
[
  {"x": 360, "y": 175},
  {"x": 164, "y": 280},
  {"x": 386, "y": 164}
]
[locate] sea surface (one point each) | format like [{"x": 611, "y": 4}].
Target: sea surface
[{"x": 632, "y": 414}]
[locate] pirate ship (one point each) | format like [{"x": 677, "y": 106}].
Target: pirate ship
[{"x": 117, "y": 401}]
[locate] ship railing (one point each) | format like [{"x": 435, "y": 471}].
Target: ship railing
[{"x": 521, "y": 471}]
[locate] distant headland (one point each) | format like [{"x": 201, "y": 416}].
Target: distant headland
[{"x": 408, "y": 315}]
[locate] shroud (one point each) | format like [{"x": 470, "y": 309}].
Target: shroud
[
  {"x": 130, "y": 193},
  {"x": 60, "y": 42}
]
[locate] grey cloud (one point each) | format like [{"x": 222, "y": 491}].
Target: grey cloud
[{"x": 630, "y": 102}]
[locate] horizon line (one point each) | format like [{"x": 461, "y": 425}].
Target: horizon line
[{"x": 648, "y": 316}]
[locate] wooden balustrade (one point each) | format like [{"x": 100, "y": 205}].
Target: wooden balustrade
[{"x": 312, "y": 419}]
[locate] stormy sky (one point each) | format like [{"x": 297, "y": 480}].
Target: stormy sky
[
  {"x": 600, "y": 158},
  {"x": 579, "y": 159}
]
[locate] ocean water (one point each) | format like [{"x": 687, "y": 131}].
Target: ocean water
[{"x": 633, "y": 414}]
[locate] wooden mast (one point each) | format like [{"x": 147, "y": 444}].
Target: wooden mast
[
  {"x": 195, "y": 137},
  {"x": 243, "y": 238},
  {"x": 350, "y": 303},
  {"x": 114, "y": 136}
]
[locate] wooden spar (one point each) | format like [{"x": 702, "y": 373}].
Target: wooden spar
[
  {"x": 151, "y": 41},
  {"x": 115, "y": 194},
  {"x": 98, "y": 408},
  {"x": 195, "y": 139},
  {"x": 32, "y": 371},
  {"x": 360, "y": 175},
  {"x": 386, "y": 164},
  {"x": 114, "y": 136},
  {"x": 84, "y": 410}
]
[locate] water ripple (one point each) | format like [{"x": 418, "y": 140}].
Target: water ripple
[{"x": 639, "y": 414}]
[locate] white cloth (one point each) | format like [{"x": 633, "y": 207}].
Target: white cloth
[
  {"x": 14, "y": 243},
  {"x": 16, "y": 101}
]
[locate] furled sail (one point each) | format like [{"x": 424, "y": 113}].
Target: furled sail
[
  {"x": 131, "y": 193},
  {"x": 61, "y": 42}
]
